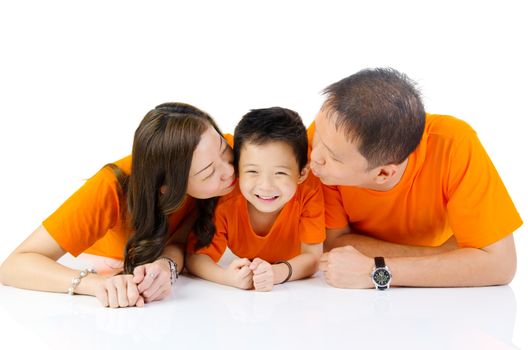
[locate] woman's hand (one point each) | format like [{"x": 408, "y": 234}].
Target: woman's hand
[
  {"x": 118, "y": 291},
  {"x": 262, "y": 275},
  {"x": 153, "y": 280}
]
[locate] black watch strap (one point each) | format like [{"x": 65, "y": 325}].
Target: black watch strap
[{"x": 379, "y": 261}]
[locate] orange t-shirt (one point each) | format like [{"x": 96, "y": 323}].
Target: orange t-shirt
[
  {"x": 450, "y": 186},
  {"x": 89, "y": 221},
  {"x": 301, "y": 220}
]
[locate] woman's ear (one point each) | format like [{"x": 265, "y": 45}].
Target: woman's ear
[
  {"x": 163, "y": 189},
  {"x": 304, "y": 174}
]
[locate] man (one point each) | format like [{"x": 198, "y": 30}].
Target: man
[{"x": 416, "y": 191}]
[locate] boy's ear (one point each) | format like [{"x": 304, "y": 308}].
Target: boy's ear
[{"x": 304, "y": 174}]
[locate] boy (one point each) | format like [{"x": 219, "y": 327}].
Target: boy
[{"x": 274, "y": 221}]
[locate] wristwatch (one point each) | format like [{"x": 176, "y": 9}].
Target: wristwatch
[{"x": 381, "y": 275}]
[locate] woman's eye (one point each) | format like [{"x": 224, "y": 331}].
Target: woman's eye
[{"x": 209, "y": 176}]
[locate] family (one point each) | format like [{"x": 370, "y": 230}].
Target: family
[{"x": 375, "y": 193}]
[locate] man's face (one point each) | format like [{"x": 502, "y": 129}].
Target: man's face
[{"x": 335, "y": 160}]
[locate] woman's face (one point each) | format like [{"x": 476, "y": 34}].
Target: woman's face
[{"x": 212, "y": 172}]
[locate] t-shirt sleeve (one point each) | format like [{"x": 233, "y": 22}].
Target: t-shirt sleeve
[
  {"x": 87, "y": 215},
  {"x": 335, "y": 214},
  {"x": 219, "y": 242},
  {"x": 312, "y": 221},
  {"x": 479, "y": 208}
]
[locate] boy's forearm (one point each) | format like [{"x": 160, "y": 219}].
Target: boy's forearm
[
  {"x": 204, "y": 267},
  {"x": 303, "y": 265}
]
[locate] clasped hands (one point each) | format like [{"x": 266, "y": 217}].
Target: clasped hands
[
  {"x": 150, "y": 282},
  {"x": 247, "y": 274}
]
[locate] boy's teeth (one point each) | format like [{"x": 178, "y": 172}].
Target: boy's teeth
[{"x": 266, "y": 197}]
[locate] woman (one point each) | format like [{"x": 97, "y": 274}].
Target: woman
[{"x": 138, "y": 210}]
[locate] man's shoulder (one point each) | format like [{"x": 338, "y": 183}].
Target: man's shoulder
[{"x": 447, "y": 127}]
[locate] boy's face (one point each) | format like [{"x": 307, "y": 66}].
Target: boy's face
[{"x": 268, "y": 175}]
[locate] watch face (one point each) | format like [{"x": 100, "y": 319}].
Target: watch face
[{"x": 381, "y": 277}]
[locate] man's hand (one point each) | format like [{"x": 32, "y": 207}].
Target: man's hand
[{"x": 346, "y": 267}]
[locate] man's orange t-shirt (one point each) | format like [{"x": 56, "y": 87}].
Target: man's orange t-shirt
[
  {"x": 301, "y": 220},
  {"x": 89, "y": 221},
  {"x": 450, "y": 186}
]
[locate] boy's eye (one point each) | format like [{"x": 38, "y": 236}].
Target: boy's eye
[
  {"x": 281, "y": 173},
  {"x": 251, "y": 171}
]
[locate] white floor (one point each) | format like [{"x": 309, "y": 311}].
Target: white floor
[{"x": 296, "y": 315}]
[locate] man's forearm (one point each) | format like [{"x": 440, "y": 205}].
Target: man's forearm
[
  {"x": 374, "y": 247},
  {"x": 458, "y": 268}
]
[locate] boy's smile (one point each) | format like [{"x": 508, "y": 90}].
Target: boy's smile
[{"x": 268, "y": 175}]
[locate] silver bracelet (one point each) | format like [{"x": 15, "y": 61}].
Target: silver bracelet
[
  {"x": 77, "y": 280},
  {"x": 173, "y": 269}
]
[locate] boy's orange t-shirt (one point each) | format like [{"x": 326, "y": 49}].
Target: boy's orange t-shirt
[
  {"x": 301, "y": 220},
  {"x": 450, "y": 187},
  {"x": 89, "y": 221}
]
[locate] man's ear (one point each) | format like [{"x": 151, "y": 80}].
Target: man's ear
[
  {"x": 385, "y": 173},
  {"x": 304, "y": 174}
]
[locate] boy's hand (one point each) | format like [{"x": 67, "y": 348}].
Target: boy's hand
[
  {"x": 262, "y": 275},
  {"x": 239, "y": 273}
]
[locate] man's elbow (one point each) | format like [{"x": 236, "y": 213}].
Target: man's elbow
[{"x": 507, "y": 271}]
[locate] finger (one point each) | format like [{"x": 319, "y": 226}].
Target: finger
[
  {"x": 132, "y": 292},
  {"x": 324, "y": 257},
  {"x": 255, "y": 263},
  {"x": 112, "y": 296},
  {"x": 244, "y": 271},
  {"x": 150, "y": 277},
  {"x": 139, "y": 274},
  {"x": 140, "y": 302},
  {"x": 102, "y": 296},
  {"x": 262, "y": 268},
  {"x": 121, "y": 289},
  {"x": 151, "y": 296},
  {"x": 323, "y": 266},
  {"x": 157, "y": 295},
  {"x": 239, "y": 263}
]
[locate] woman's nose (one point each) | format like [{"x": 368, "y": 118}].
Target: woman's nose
[{"x": 227, "y": 171}]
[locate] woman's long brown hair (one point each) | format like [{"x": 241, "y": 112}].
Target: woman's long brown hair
[{"x": 162, "y": 152}]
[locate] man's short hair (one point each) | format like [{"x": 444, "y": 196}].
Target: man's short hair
[{"x": 382, "y": 110}]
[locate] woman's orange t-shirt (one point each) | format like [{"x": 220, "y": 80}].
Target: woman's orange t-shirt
[
  {"x": 301, "y": 220},
  {"x": 89, "y": 221},
  {"x": 450, "y": 186}
]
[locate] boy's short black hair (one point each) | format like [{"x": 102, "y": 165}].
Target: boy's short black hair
[{"x": 261, "y": 126}]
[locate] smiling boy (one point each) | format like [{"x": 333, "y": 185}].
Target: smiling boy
[{"x": 274, "y": 221}]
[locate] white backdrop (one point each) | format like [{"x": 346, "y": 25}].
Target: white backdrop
[{"x": 77, "y": 77}]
